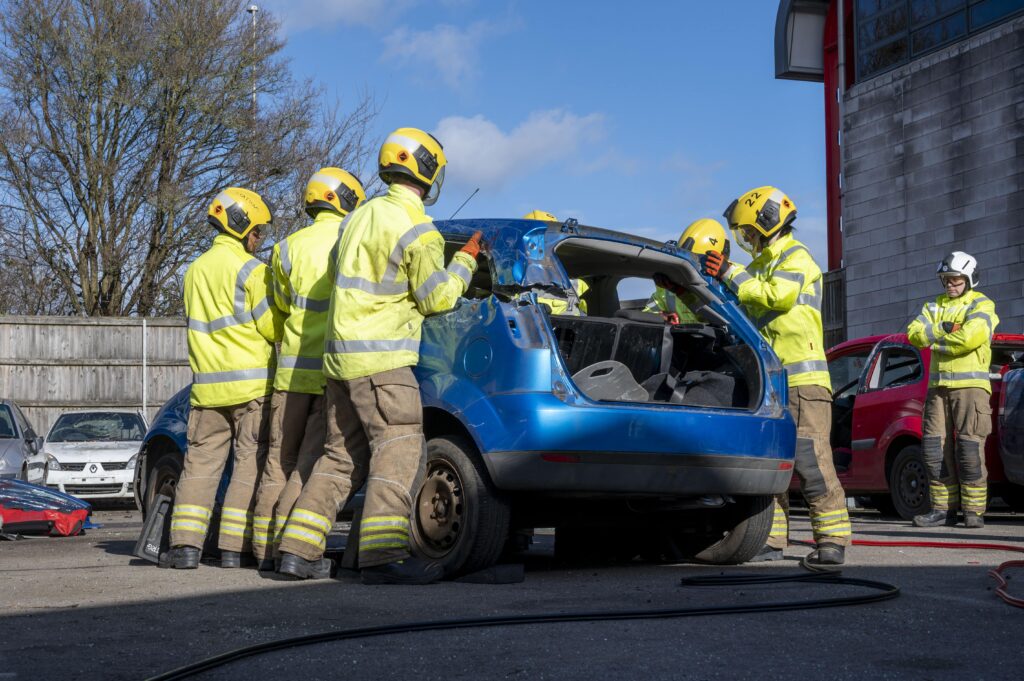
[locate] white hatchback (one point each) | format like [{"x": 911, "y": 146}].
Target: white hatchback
[{"x": 92, "y": 454}]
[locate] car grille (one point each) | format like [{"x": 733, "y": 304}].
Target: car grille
[
  {"x": 75, "y": 490},
  {"x": 114, "y": 465},
  {"x": 72, "y": 466}
]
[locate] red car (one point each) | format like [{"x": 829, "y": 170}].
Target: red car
[{"x": 879, "y": 385}]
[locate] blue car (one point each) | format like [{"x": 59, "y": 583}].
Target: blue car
[{"x": 626, "y": 433}]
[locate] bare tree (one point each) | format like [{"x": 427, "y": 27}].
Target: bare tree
[{"x": 121, "y": 119}]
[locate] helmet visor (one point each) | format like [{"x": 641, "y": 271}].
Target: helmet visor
[
  {"x": 435, "y": 189},
  {"x": 747, "y": 237}
]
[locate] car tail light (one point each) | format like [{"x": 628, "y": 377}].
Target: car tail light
[{"x": 785, "y": 465}]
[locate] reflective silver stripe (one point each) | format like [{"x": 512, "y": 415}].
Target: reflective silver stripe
[
  {"x": 291, "y": 362},
  {"x": 323, "y": 178},
  {"x": 805, "y": 367},
  {"x": 929, "y": 328},
  {"x": 430, "y": 285},
  {"x": 281, "y": 292},
  {"x": 786, "y": 253},
  {"x": 959, "y": 376},
  {"x": 243, "y": 276},
  {"x": 380, "y": 289},
  {"x": 237, "y": 375},
  {"x": 341, "y": 346},
  {"x": 813, "y": 298},
  {"x": 286, "y": 263},
  {"x": 741, "y": 278},
  {"x": 981, "y": 315},
  {"x": 218, "y": 324},
  {"x": 311, "y": 304},
  {"x": 260, "y": 309},
  {"x": 409, "y": 143},
  {"x": 460, "y": 271},
  {"x": 395, "y": 259},
  {"x": 791, "y": 276},
  {"x": 942, "y": 348}
]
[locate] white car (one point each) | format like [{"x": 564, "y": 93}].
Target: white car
[{"x": 92, "y": 454}]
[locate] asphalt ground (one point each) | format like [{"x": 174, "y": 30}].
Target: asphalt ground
[{"x": 84, "y": 608}]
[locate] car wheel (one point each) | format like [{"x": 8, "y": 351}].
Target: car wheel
[
  {"x": 724, "y": 536},
  {"x": 163, "y": 478},
  {"x": 460, "y": 519},
  {"x": 908, "y": 483},
  {"x": 1013, "y": 495}
]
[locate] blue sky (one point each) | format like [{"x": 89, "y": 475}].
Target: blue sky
[{"x": 639, "y": 117}]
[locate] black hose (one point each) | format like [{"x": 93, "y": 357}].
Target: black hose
[{"x": 886, "y": 592}]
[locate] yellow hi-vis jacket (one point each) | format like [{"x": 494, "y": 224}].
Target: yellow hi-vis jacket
[
  {"x": 389, "y": 274},
  {"x": 960, "y": 359},
  {"x": 232, "y": 325},
  {"x": 781, "y": 293},
  {"x": 302, "y": 290},
  {"x": 666, "y": 301},
  {"x": 577, "y": 307}
]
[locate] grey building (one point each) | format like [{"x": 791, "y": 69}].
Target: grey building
[{"x": 924, "y": 109}]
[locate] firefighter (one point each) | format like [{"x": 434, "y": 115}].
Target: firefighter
[
  {"x": 700, "y": 237},
  {"x": 958, "y": 328},
  {"x": 389, "y": 273},
  {"x": 232, "y": 328},
  {"x": 573, "y": 304},
  {"x": 781, "y": 293},
  {"x": 302, "y": 290}
]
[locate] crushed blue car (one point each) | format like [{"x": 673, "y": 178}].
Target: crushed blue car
[{"x": 629, "y": 435}]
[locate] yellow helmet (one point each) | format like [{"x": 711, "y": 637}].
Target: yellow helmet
[
  {"x": 704, "y": 235},
  {"x": 540, "y": 215},
  {"x": 765, "y": 210},
  {"x": 418, "y": 156},
  {"x": 238, "y": 211},
  {"x": 333, "y": 189}
]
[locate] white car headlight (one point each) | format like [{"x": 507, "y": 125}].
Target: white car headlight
[
  {"x": 52, "y": 463},
  {"x": 130, "y": 466}
]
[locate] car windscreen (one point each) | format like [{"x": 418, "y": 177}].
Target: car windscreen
[
  {"x": 6, "y": 423},
  {"x": 97, "y": 427}
]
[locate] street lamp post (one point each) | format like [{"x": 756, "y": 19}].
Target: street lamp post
[{"x": 253, "y": 10}]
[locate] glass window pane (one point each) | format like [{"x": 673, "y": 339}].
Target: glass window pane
[
  {"x": 923, "y": 11},
  {"x": 866, "y": 8},
  {"x": 901, "y": 367},
  {"x": 881, "y": 58},
  {"x": 989, "y": 11},
  {"x": 882, "y": 27},
  {"x": 939, "y": 33}
]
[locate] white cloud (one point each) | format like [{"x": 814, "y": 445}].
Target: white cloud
[
  {"x": 449, "y": 52},
  {"x": 299, "y": 15},
  {"x": 483, "y": 155}
]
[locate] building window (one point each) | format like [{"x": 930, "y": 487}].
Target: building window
[{"x": 892, "y": 32}]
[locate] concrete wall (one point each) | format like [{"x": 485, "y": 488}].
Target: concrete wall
[
  {"x": 934, "y": 162},
  {"x": 51, "y": 364}
]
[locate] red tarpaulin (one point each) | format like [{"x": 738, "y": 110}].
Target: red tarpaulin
[{"x": 31, "y": 509}]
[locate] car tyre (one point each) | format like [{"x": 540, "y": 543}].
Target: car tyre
[
  {"x": 908, "y": 483},
  {"x": 460, "y": 519},
  {"x": 163, "y": 478},
  {"x": 724, "y": 536}
]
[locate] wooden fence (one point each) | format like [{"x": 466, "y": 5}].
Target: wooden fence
[{"x": 51, "y": 364}]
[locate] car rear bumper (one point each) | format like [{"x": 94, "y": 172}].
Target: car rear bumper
[{"x": 638, "y": 473}]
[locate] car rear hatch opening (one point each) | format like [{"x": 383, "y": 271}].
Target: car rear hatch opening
[{"x": 612, "y": 354}]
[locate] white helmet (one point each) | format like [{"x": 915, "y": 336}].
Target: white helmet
[{"x": 959, "y": 264}]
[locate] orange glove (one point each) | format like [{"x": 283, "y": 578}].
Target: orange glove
[
  {"x": 670, "y": 318},
  {"x": 472, "y": 247},
  {"x": 715, "y": 264}
]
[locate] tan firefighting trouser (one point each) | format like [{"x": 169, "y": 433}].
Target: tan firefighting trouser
[
  {"x": 811, "y": 407},
  {"x": 375, "y": 429},
  {"x": 956, "y": 472},
  {"x": 211, "y": 433},
  {"x": 296, "y": 442}
]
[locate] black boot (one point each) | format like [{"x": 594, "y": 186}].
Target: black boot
[
  {"x": 973, "y": 520},
  {"x": 180, "y": 558},
  {"x": 234, "y": 559},
  {"x": 935, "y": 518},
  {"x": 409, "y": 571},
  {"x": 765, "y": 554},
  {"x": 300, "y": 568},
  {"x": 827, "y": 553}
]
